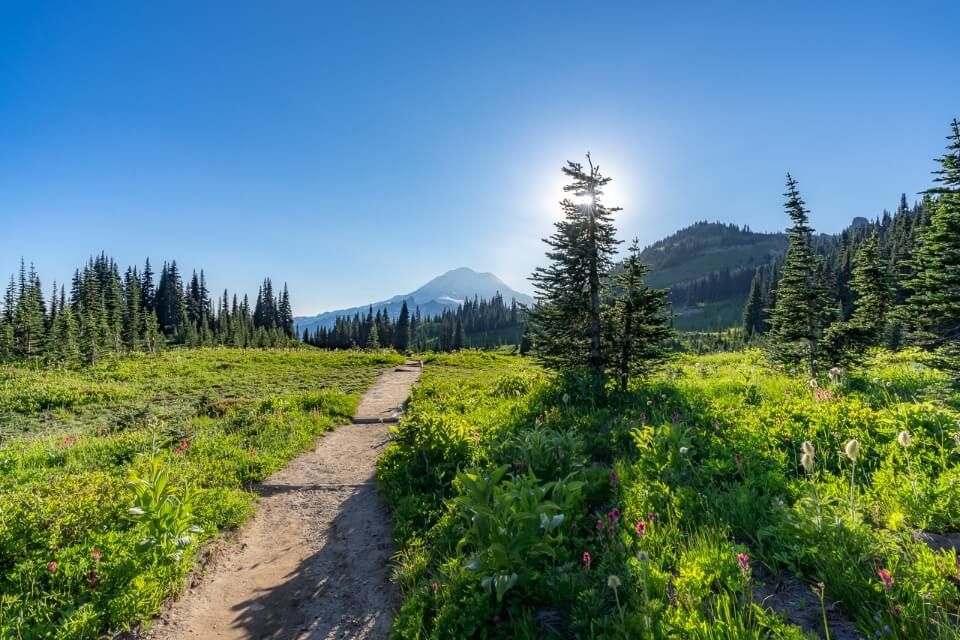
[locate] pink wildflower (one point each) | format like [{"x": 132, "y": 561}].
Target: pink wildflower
[
  {"x": 52, "y": 566},
  {"x": 587, "y": 559},
  {"x": 613, "y": 479},
  {"x": 641, "y": 528},
  {"x": 743, "y": 560},
  {"x": 96, "y": 554},
  {"x": 886, "y": 578}
]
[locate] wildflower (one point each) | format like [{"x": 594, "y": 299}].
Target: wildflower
[
  {"x": 905, "y": 439},
  {"x": 640, "y": 528},
  {"x": 182, "y": 447},
  {"x": 738, "y": 460},
  {"x": 587, "y": 559},
  {"x": 600, "y": 526},
  {"x": 92, "y": 580},
  {"x": 684, "y": 450},
  {"x": 813, "y": 383},
  {"x": 643, "y": 417},
  {"x": 743, "y": 561},
  {"x": 52, "y": 566},
  {"x": 649, "y": 403},
  {"x": 651, "y": 516},
  {"x": 435, "y": 587},
  {"x": 896, "y": 610},
  {"x": 613, "y": 479},
  {"x": 835, "y": 373},
  {"x": 566, "y": 398},
  {"x": 613, "y": 582},
  {"x": 852, "y": 449},
  {"x": 807, "y": 462},
  {"x": 675, "y": 418},
  {"x": 96, "y": 554},
  {"x": 496, "y": 621},
  {"x": 807, "y": 447},
  {"x": 886, "y": 578},
  {"x": 613, "y": 516}
]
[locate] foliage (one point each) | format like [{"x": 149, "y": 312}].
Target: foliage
[
  {"x": 102, "y": 515},
  {"x": 691, "y": 498}
]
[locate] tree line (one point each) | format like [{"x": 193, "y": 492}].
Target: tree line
[
  {"x": 477, "y": 324},
  {"x": 106, "y": 312},
  {"x": 889, "y": 283}
]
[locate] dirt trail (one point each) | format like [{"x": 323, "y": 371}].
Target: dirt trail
[{"x": 313, "y": 562}]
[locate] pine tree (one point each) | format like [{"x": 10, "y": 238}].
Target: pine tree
[
  {"x": 459, "y": 337},
  {"x": 285, "y": 312},
  {"x": 148, "y": 293},
  {"x": 402, "y": 339},
  {"x": 798, "y": 319},
  {"x": 6, "y": 321},
  {"x": 873, "y": 284},
  {"x": 935, "y": 301},
  {"x": 566, "y": 322},
  {"x": 753, "y": 323},
  {"x": 132, "y": 298},
  {"x": 29, "y": 318},
  {"x": 373, "y": 340},
  {"x": 64, "y": 347},
  {"x": 639, "y": 326}
]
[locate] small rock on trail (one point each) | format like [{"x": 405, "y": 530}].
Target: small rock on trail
[{"x": 313, "y": 562}]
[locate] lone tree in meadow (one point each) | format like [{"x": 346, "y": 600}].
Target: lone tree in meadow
[
  {"x": 802, "y": 308},
  {"x": 566, "y": 323},
  {"x": 935, "y": 301},
  {"x": 639, "y": 321}
]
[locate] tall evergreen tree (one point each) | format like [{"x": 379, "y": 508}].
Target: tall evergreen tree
[
  {"x": 566, "y": 322},
  {"x": 753, "y": 322},
  {"x": 402, "y": 339},
  {"x": 873, "y": 283},
  {"x": 935, "y": 299},
  {"x": 64, "y": 348},
  {"x": 29, "y": 318},
  {"x": 639, "y": 326},
  {"x": 132, "y": 322},
  {"x": 801, "y": 311}
]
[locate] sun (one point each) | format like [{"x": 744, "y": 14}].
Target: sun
[{"x": 550, "y": 193}]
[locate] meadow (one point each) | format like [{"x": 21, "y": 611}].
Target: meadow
[
  {"x": 112, "y": 477},
  {"x": 524, "y": 510}
]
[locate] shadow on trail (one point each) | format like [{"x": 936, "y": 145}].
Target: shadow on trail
[{"x": 341, "y": 591}]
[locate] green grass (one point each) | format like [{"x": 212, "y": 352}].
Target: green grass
[
  {"x": 502, "y": 478},
  {"x": 180, "y": 437},
  {"x": 171, "y": 385}
]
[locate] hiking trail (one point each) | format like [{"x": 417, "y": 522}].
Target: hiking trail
[{"x": 312, "y": 563}]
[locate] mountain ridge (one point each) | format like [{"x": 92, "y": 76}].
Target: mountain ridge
[{"x": 446, "y": 291}]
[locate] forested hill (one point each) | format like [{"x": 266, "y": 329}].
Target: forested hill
[{"x": 708, "y": 268}]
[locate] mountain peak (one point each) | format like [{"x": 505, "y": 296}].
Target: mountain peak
[{"x": 450, "y": 289}]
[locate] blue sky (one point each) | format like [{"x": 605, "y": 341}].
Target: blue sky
[{"x": 357, "y": 149}]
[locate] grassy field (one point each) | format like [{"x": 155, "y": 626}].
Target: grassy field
[
  {"x": 523, "y": 511},
  {"x": 111, "y": 476}
]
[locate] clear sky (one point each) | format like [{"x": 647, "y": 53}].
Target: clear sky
[{"x": 357, "y": 149}]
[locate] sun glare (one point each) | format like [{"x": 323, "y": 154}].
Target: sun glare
[{"x": 615, "y": 194}]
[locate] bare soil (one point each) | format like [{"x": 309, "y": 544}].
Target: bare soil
[{"x": 313, "y": 562}]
